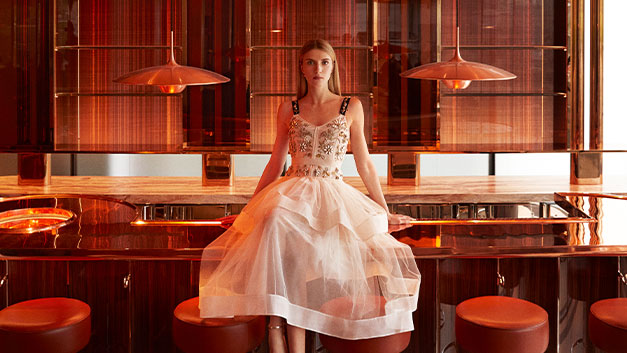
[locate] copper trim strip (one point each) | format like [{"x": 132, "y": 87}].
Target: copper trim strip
[
  {"x": 448, "y": 222},
  {"x": 596, "y": 74},
  {"x": 519, "y": 221},
  {"x": 198, "y": 223}
]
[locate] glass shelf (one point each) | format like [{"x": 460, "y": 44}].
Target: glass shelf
[
  {"x": 500, "y": 94},
  {"x": 293, "y": 47},
  {"x": 507, "y": 47},
  {"x": 116, "y": 47},
  {"x": 290, "y": 94},
  {"x": 116, "y": 94}
]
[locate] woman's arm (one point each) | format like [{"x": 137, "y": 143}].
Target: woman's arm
[
  {"x": 364, "y": 163},
  {"x": 279, "y": 151}
]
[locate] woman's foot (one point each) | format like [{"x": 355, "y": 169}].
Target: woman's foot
[{"x": 276, "y": 335}]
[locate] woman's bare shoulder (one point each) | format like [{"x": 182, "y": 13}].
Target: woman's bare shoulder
[
  {"x": 355, "y": 109},
  {"x": 285, "y": 107},
  {"x": 285, "y": 112},
  {"x": 354, "y": 102}
]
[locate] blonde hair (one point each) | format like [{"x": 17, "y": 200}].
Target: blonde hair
[{"x": 334, "y": 80}]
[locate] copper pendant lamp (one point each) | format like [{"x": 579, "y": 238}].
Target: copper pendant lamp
[
  {"x": 458, "y": 73},
  {"x": 172, "y": 77}
]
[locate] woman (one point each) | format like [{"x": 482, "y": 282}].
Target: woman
[{"x": 309, "y": 238}]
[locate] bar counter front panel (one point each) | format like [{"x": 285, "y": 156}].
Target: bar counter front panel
[{"x": 133, "y": 275}]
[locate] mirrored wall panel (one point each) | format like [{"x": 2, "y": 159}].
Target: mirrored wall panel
[
  {"x": 60, "y": 59},
  {"x": 97, "y": 41},
  {"x": 529, "y": 113}
]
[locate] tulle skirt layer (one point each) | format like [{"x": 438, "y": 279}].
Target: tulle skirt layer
[{"x": 303, "y": 244}]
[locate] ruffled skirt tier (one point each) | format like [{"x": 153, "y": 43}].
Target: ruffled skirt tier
[{"x": 302, "y": 244}]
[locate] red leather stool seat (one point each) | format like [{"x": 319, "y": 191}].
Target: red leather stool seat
[
  {"x": 386, "y": 344},
  {"x": 224, "y": 335},
  {"x": 59, "y": 325},
  {"x": 494, "y": 324},
  {"x": 607, "y": 324}
]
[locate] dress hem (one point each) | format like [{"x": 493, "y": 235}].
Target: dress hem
[{"x": 393, "y": 323}]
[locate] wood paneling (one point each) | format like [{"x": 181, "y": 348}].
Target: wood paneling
[
  {"x": 37, "y": 279},
  {"x": 461, "y": 279},
  {"x": 623, "y": 283},
  {"x": 583, "y": 281},
  {"x": 138, "y": 318},
  {"x": 26, "y": 67},
  {"x": 158, "y": 287},
  {"x": 427, "y": 317},
  {"x": 101, "y": 285},
  {"x": 4, "y": 285},
  {"x": 195, "y": 277},
  {"x": 458, "y": 280},
  {"x": 533, "y": 279}
]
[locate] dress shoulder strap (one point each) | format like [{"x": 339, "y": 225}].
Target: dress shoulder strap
[
  {"x": 344, "y": 106},
  {"x": 295, "y": 107}
]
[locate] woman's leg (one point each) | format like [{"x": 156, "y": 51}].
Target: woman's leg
[
  {"x": 296, "y": 337},
  {"x": 276, "y": 338}
]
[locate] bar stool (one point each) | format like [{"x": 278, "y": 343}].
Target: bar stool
[
  {"x": 493, "y": 324},
  {"x": 388, "y": 344},
  {"x": 193, "y": 334},
  {"x": 59, "y": 325},
  {"x": 607, "y": 324}
]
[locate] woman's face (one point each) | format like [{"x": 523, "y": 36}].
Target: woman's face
[{"x": 317, "y": 66}]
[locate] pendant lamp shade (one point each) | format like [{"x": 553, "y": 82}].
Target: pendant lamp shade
[
  {"x": 458, "y": 73},
  {"x": 171, "y": 77}
]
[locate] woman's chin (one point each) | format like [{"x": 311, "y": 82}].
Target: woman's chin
[{"x": 315, "y": 82}]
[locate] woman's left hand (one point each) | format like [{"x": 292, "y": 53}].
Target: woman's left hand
[{"x": 398, "y": 222}]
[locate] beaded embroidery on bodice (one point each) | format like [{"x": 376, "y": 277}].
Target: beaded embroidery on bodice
[{"x": 318, "y": 150}]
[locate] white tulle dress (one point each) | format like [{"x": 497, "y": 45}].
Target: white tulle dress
[{"x": 309, "y": 239}]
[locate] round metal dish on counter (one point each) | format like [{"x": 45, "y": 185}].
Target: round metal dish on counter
[{"x": 31, "y": 220}]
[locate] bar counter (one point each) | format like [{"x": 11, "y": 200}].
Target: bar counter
[
  {"x": 140, "y": 190},
  {"x": 107, "y": 229},
  {"x": 134, "y": 274}
]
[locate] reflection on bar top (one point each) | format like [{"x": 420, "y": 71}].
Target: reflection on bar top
[{"x": 103, "y": 228}]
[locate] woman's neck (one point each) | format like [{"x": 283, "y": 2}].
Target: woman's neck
[{"x": 318, "y": 95}]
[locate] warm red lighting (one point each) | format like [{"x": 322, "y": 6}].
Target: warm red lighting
[
  {"x": 171, "y": 77},
  {"x": 30, "y": 220},
  {"x": 456, "y": 84},
  {"x": 172, "y": 89}
]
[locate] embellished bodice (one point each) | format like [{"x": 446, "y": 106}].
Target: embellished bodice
[{"x": 318, "y": 150}]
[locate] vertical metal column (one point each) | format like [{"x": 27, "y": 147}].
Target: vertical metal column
[
  {"x": 403, "y": 168},
  {"x": 217, "y": 169},
  {"x": 33, "y": 169},
  {"x": 586, "y": 167}
]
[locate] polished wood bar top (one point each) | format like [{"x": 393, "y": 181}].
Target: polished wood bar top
[
  {"x": 181, "y": 190},
  {"x": 104, "y": 209}
]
